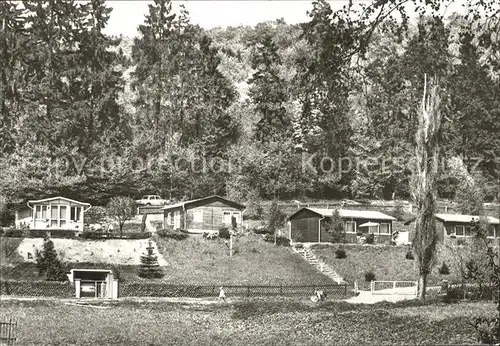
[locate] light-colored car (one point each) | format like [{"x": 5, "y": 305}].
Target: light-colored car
[{"x": 152, "y": 200}]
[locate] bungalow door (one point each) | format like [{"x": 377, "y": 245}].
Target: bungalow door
[{"x": 177, "y": 220}]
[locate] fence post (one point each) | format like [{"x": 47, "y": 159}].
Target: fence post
[
  {"x": 248, "y": 291},
  {"x": 356, "y": 286},
  {"x": 371, "y": 286},
  {"x": 394, "y": 287}
]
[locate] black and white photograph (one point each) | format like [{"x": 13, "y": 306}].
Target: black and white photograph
[{"x": 261, "y": 172}]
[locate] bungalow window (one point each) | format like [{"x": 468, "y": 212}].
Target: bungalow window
[
  {"x": 491, "y": 232},
  {"x": 169, "y": 219},
  {"x": 350, "y": 226},
  {"x": 385, "y": 228},
  {"x": 226, "y": 218},
  {"x": 237, "y": 216},
  {"x": 467, "y": 231},
  {"x": 41, "y": 212},
  {"x": 63, "y": 211},
  {"x": 459, "y": 231},
  {"x": 198, "y": 216},
  {"x": 76, "y": 214},
  {"x": 53, "y": 216}
]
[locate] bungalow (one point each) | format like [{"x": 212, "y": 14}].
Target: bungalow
[
  {"x": 52, "y": 214},
  {"x": 307, "y": 225},
  {"x": 204, "y": 214},
  {"x": 449, "y": 226}
]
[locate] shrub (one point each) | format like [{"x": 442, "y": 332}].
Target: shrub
[
  {"x": 210, "y": 235},
  {"x": 262, "y": 230},
  {"x": 282, "y": 241},
  {"x": 369, "y": 276},
  {"x": 444, "y": 270},
  {"x": 224, "y": 233},
  {"x": 340, "y": 253},
  {"x": 488, "y": 330},
  {"x": 268, "y": 237},
  {"x": 172, "y": 234},
  {"x": 13, "y": 232},
  {"x": 370, "y": 239},
  {"x": 409, "y": 255},
  {"x": 117, "y": 272}
]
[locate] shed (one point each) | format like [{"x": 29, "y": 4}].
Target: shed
[
  {"x": 94, "y": 283},
  {"x": 204, "y": 214},
  {"x": 52, "y": 214},
  {"x": 307, "y": 224}
]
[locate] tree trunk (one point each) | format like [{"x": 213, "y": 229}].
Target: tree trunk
[{"x": 422, "y": 286}]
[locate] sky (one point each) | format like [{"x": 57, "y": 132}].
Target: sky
[{"x": 127, "y": 15}]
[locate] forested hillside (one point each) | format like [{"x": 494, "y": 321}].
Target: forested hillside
[{"x": 324, "y": 109}]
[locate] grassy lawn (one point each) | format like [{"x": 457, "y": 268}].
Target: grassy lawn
[
  {"x": 387, "y": 263},
  {"x": 262, "y": 322},
  {"x": 197, "y": 260}
]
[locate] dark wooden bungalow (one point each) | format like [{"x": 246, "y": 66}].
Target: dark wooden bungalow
[
  {"x": 205, "y": 214},
  {"x": 457, "y": 226},
  {"x": 307, "y": 225}
]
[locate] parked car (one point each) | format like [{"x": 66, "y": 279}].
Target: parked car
[{"x": 152, "y": 200}]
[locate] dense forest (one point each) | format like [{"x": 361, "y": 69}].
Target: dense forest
[{"x": 322, "y": 109}]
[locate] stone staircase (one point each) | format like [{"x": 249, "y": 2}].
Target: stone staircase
[{"x": 306, "y": 252}]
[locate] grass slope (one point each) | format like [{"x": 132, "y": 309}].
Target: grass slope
[
  {"x": 264, "y": 322},
  {"x": 386, "y": 262},
  {"x": 197, "y": 260}
]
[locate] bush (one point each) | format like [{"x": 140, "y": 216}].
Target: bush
[
  {"x": 268, "y": 237},
  {"x": 172, "y": 234},
  {"x": 211, "y": 235},
  {"x": 282, "y": 241},
  {"x": 409, "y": 255},
  {"x": 488, "y": 330},
  {"x": 340, "y": 253},
  {"x": 262, "y": 230},
  {"x": 224, "y": 233},
  {"x": 444, "y": 270},
  {"x": 13, "y": 233},
  {"x": 369, "y": 276},
  {"x": 370, "y": 239}
]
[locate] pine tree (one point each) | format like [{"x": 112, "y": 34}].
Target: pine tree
[
  {"x": 149, "y": 268},
  {"x": 268, "y": 91},
  {"x": 95, "y": 86},
  {"x": 48, "y": 263}
]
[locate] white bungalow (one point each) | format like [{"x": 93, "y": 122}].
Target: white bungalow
[{"x": 52, "y": 214}]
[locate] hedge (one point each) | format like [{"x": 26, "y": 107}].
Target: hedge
[
  {"x": 37, "y": 289},
  {"x": 38, "y": 233},
  {"x": 169, "y": 233},
  {"x": 115, "y": 235}
]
